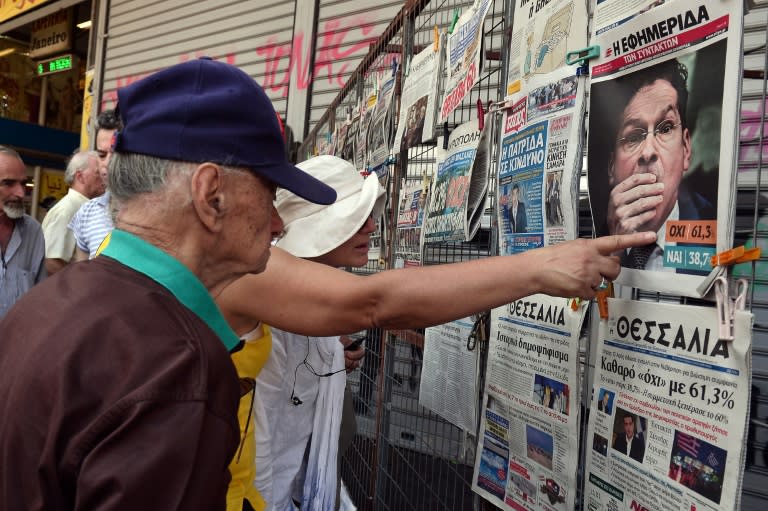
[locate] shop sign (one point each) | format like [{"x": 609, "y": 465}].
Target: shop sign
[
  {"x": 51, "y": 34},
  {"x": 12, "y": 8},
  {"x": 54, "y": 65}
]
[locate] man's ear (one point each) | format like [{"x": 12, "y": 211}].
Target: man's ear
[
  {"x": 686, "y": 149},
  {"x": 207, "y": 185}
]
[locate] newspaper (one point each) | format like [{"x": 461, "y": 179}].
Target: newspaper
[
  {"x": 348, "y": 147},
  {"x": 528, "y": 447},
  {"x": 410, "y": 218},
  {"x": 657, "y": 161},
  {"x": 668, "y": 419},
  {"x": 418, "y": 101},
  {"x": 542, "y": 35},
  {"x": 464, "y": 56},
  {"x": 380, "y": 130},
  {"x": 541, "y": 151},
  {"x": 449, "y": 374},
  {"x": 361, "y": 142},
  {"x": 323, "y": 140},
  {"x": 458, "y": 194}
]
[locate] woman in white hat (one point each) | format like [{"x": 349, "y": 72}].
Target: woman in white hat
[
  {"x": 317, "y": 299},
  {"x": 302, "y": 385}
]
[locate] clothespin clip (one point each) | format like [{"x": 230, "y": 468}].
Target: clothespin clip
[
  {"x": 582, "y": 70},
  {"x": 455, "y": 20},
  {"x": 407, "y": 66},
  {"x": 726, "y": 258},
  {"x": 394, "y": 67},
  {"x": 575, "y": 303},
  {"x": 445, "y": 135},
  {"x": 601, "y": 297},
  {"x": 736, "y": 255},
  {"x": 498, "y": 107},
  {"x": 435, "y": 39},
  {"x": 727, "y": 306},
  {"x": 480, "y": 114},
  {"x": 582, "y": 55}
]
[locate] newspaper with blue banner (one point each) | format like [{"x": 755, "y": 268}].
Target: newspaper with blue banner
[
  {"x": 528, "y": 448},
  {"x": 669, "y": 409}
]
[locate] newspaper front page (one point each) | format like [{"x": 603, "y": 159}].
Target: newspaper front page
[
  {"x": 449, "y": 374},
  {"x": 458, "y": 192},
  {"x": 541, "y": 145},
  {"x": 667, "y": 426},
  {"x": 361, "y": 142},
  {"x": 418, "y": 101},
  {"x": 464, "y": 56},
  {"x": 379, "y": 135},
  {"x": 662, "y": 134},
  {"x": 528, "y": 446},
  {"x": 410, "y": 218}
]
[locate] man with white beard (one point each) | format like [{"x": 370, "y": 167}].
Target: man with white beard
[{"x": 22, "y": 247}]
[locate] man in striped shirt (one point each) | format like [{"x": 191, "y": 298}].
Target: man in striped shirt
[{"x": 93, "y": 221}]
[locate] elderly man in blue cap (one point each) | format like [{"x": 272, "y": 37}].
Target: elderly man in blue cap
[{"x": 116, "y": 381}]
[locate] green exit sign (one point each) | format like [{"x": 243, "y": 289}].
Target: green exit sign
[{"x": 54, "y": 65}]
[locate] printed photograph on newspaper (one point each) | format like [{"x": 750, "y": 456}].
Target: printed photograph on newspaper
[
  {"x": 458, "y": 192},
  {"x": 662, "y": 133},
  {"x": 449, "y": 373},
  {"x": 464, "y": 56},
  {"x": 528, "y": 446},
  {"x": 668, "y": 414}
]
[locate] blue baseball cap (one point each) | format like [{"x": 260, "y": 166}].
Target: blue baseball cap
[{"x": 203, "y": 110}]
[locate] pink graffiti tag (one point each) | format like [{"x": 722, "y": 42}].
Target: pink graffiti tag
[
  {"x": 749, "y": 134},
  {"x": 330, "y": 52}
]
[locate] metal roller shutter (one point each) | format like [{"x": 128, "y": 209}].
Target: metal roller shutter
[{"x": 144, "y": 36}]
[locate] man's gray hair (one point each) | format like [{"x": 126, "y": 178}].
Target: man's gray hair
[
  {"x": 79, "y": 161},
  {"x": 132, "y": 174},
  {"x": 10, "y": 152}
]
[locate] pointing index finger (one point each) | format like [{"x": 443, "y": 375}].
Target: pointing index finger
[{"x": 609, "y": 244}]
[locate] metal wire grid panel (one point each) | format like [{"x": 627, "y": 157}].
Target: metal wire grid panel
[
  {"x": 752, "y": 229},
  {"x": 406, "y": 457}
]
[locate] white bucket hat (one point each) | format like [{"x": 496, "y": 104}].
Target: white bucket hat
[{"x": 312, "y": 230}]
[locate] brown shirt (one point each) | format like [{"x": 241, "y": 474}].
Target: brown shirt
[{"x": 113, "y": 396}]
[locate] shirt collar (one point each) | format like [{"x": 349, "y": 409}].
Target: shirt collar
[
  {"x": 164, "y": 269},
  {"x": 103, "y": 199}
]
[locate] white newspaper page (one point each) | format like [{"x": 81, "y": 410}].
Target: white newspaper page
[
  {"x": 541, "y": 151},
  {"x": 667, "y": 426},
  {"x": 450, "y": 209},
  {"x": 542, "y": 35},
  {"x": 361, "y": 143},
  {"x": 449, "y": 374},
  {"x": 418, "y": 101},
  {"x": 464, "y": 56},
  {"x": 528, "y": 446},
  {"x": 410, "y": 218},
  {"x": 379, "y": 135},
  {"x": 538, "y": 168},
  {"x": 662, "y": 134}
]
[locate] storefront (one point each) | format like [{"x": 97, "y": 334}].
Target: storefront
[{"x": 44, "y": 52}]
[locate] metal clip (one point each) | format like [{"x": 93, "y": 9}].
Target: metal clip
[{"x": 588, "y": 53}]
